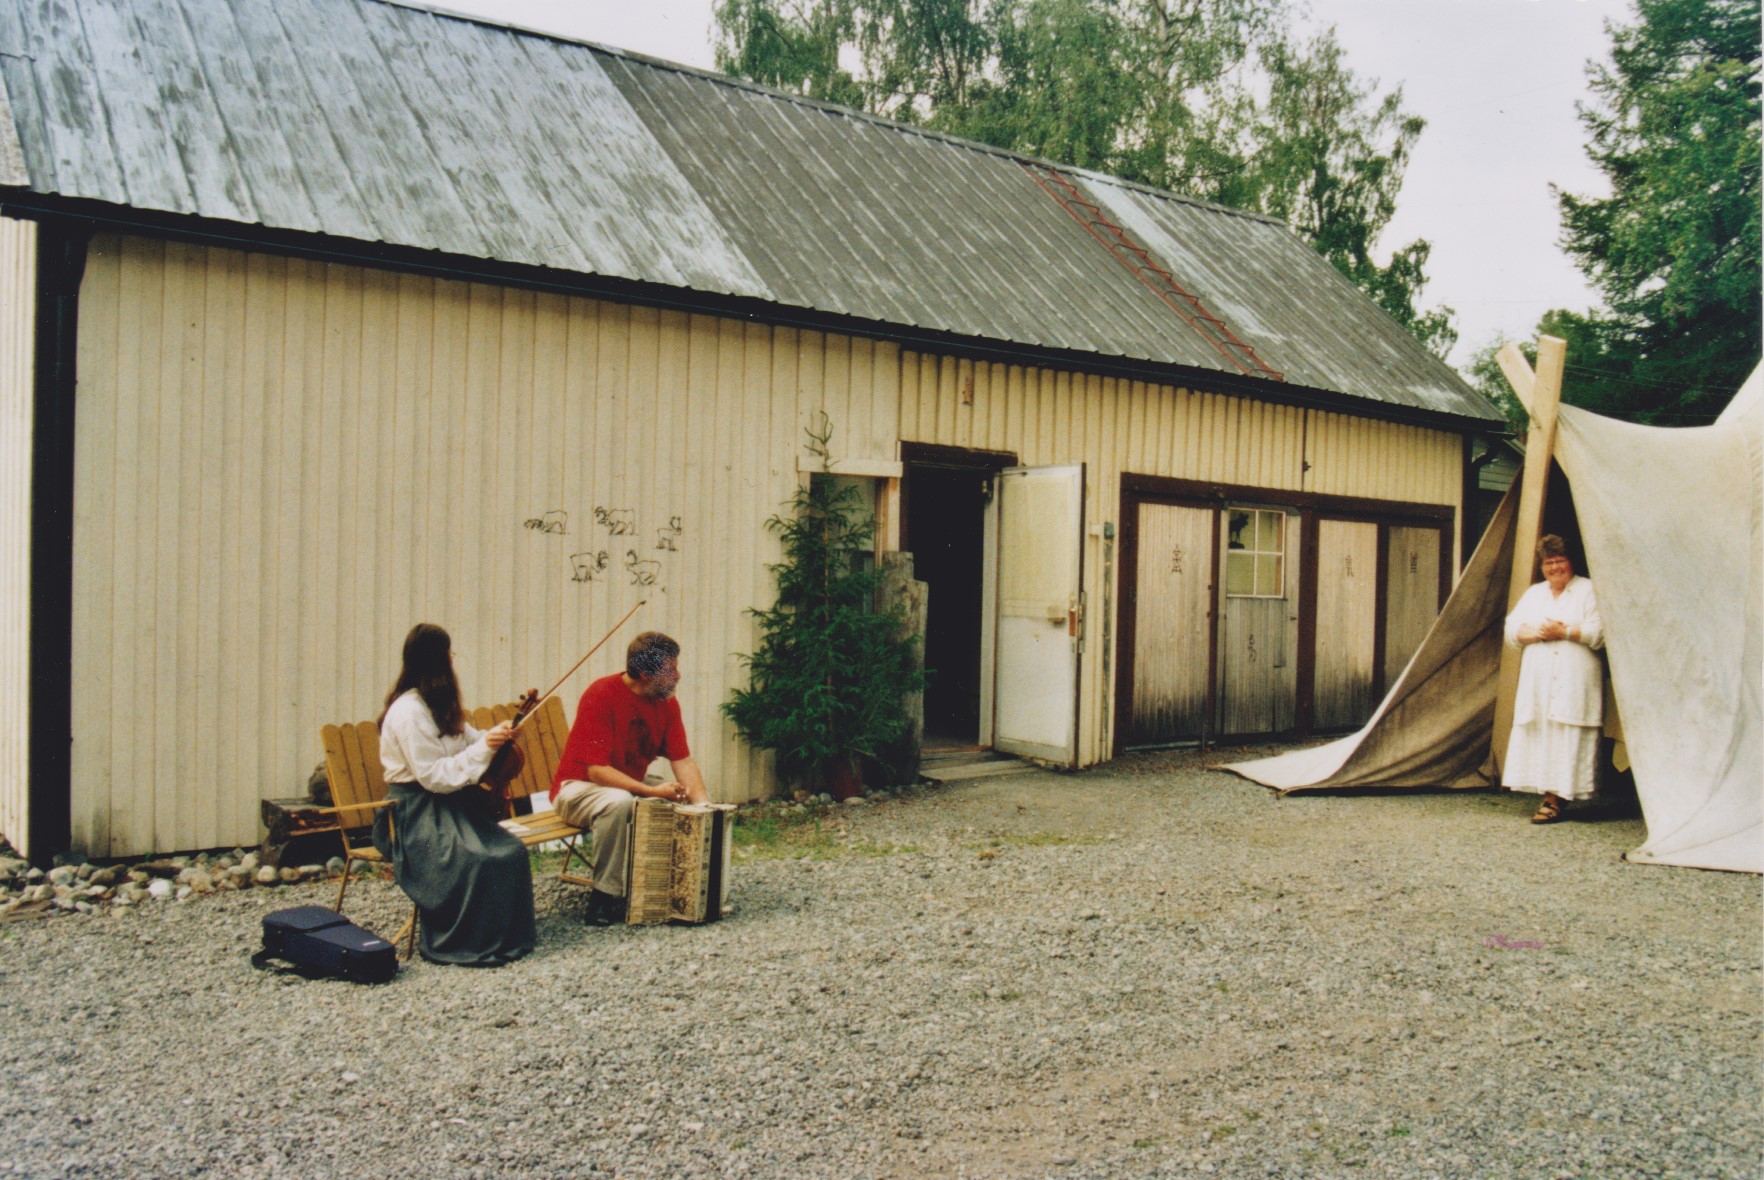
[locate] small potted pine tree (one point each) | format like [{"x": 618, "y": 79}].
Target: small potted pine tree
[{"x": 827, "y": 681}]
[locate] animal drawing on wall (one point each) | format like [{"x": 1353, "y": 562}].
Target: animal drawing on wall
[
  {"x": 668, "y": 536},
  {"x": 618, "y": 522},
  {"x": 643, "y": 573},
  {"x": 554, "y": 521},
  {"x": 589, "y": 566}
]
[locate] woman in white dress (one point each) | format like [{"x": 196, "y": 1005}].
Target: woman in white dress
[
  {"x": 1560, "y": 707},
  {"x": 471, "y": 881}
]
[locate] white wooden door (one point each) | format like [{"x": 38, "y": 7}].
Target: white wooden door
[{"x": 1039, "y": 610}]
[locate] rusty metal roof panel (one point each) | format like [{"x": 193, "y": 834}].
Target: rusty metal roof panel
[{"x": 387, "y": 123}]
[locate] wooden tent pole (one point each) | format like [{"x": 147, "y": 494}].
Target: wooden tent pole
[{"x": 1540, "y": 393}]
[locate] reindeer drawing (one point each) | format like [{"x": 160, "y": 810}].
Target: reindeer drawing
[
  {"x": 553, "y": 521},
  {"x": 643, "y": 573},
  {"x": 589, "y": 567},
  {"x": 618, "y": 522}
]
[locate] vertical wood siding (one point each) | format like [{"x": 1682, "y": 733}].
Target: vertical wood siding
[
  {"x": 1114, "y": 425},
  {"x": 1383, "y": 460},
  {"x": 282, "y": 465},
  {"x": 18, "y": 319}
]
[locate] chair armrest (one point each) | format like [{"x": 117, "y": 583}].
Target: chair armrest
[{"x": 353, "y": 807}]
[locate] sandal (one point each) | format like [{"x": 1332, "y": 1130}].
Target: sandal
[{"x": 1549, "y": 811}]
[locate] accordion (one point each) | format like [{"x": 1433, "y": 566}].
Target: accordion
[{"x": 679, "y": 868}]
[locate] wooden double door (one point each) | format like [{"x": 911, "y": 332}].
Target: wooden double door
[{"x": 1245, "y": 616}]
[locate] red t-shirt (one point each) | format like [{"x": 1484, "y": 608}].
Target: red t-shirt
[{"x": 616, "y": 727}]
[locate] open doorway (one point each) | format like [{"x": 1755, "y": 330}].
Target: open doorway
[{"x": 945, "y": 493}]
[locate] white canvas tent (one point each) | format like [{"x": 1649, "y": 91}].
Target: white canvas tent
[{"x": 1670, "y": 523}]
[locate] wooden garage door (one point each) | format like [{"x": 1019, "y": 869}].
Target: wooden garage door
[
  {"x": 1346, "y": 689},
  {"x": 1411, "y": 594},
  {"x": 1173, "y": 596}
]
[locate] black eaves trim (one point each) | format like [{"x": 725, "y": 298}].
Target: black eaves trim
[{"x": 61, "y": 260}]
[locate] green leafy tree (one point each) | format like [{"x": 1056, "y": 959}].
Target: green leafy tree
[
  {"x": 1484, "y": 372},
  {"x": 792, "y": 47},
  {"x": 1675, "y": 249},
  {"x": 1331, "y": 162},
  {"x": 1212, "y": 98},
  {"x": 827, "y": 680}
]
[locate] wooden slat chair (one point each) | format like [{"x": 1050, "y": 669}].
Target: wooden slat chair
[
  {"x": 541, "y": 740},
  {"x": 358, "y": 789}
]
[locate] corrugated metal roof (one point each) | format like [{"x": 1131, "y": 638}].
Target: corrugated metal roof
[{"x": 385, "y": 123}]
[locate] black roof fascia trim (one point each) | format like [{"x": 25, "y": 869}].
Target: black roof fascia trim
[
  {"x": 464, "y": 268},
  {"x": 61, "y": 259}
]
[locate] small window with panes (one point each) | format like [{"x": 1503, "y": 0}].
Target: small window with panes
[{"x": 1255, "y": 553}]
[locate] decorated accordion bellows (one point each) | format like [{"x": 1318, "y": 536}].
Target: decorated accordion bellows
[{"x": 679, "y": 861}]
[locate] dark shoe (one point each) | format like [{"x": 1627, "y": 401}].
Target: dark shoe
[
  {"x": 1549, "y": 811},
  {"x": 604, "y": 909}
]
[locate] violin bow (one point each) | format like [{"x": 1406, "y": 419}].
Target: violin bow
[{"x": 552, "y": 691}]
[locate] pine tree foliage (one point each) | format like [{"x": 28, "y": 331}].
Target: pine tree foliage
[
  {"x": 1675, "y": 249},
  {"x": 827, "y": 680}
]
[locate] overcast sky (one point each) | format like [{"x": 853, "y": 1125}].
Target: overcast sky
[{"x": 1496, "y": 80}]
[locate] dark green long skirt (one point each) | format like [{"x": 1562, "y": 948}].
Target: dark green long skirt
[{"x": 471, "y": 881}]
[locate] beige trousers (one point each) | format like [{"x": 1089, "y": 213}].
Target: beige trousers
[{"x": 606, "y": 813}]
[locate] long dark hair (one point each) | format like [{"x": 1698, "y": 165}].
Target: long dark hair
[{"x": 428, "y": 668}]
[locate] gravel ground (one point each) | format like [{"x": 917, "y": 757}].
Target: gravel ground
[{"x": 1145, "y": 970}]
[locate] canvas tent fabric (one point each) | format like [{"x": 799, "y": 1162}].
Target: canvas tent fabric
[{"x": 1670, "y": 523}]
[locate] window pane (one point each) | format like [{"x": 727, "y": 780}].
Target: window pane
[
  {"x": 1269, "y": 540},
  {"x": 1240, "y": 574},
  {"x": 1268, "y": 577},
  {"x": 1238, "y": 528}
]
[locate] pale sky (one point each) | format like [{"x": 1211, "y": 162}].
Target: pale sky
[{"x": 1496, "y": 80}]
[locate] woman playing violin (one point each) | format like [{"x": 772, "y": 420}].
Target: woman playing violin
[{"x": 471, "y": 881}]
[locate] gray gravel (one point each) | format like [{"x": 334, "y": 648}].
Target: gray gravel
[{"x": 1145, "y": 970}]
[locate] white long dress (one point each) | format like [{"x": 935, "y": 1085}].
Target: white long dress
[{"x": 1561, "y": 701}]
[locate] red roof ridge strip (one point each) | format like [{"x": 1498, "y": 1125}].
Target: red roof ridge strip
[{"x": 1221, "y": 337}]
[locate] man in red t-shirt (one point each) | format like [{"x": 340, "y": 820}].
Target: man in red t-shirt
[{"x": 623, "y": 723}]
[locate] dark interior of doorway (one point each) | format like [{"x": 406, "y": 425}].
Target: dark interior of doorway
[{"x": 945, "y": 523}]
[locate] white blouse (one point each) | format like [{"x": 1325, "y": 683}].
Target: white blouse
[
  {"x": 413, "y": 749},
  {"x": 1560, "y": 680}
]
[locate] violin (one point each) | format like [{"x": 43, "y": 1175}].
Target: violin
[{"x": 508, "y": 762}]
